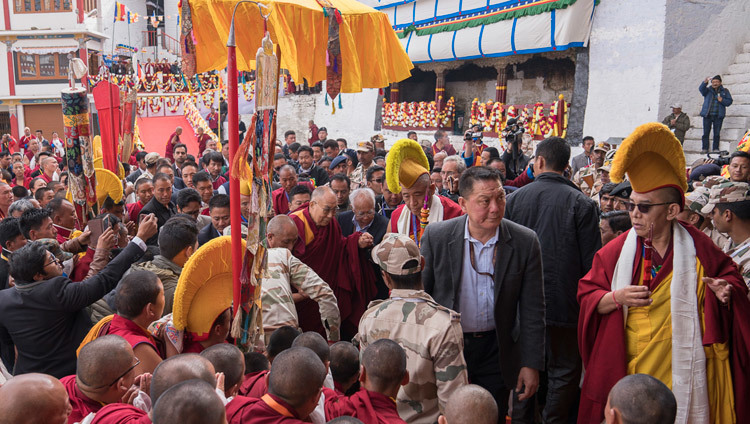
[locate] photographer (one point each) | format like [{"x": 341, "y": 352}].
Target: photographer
[
  {"x": 473, "y": 146},
  {"x": 515, "y": 161},
  {"x": 716, "y": 99}
]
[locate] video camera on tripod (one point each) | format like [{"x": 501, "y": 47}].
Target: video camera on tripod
[{"x": 513, "y": 131}]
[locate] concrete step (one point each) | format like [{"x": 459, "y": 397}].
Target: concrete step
[
  {"x": 736, "y": 78},
  {"x": 729, "y": 134},
  {"x": 694, "y": 146},
  {"x": 742, "y": 58},
  {"x": 746, "y": 48},
  {"x": 738, "y": 68},
  {"x": 740, "y": 98},
  {"x": 740, "y": 88},
  {"x": 730, "y": 122},
  {"x": 739, "y": 109}
]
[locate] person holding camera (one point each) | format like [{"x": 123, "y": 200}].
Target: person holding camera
[
  {"x": 716, "y": 99},
  {"x": 473, "y": 146},
  {"x": 515, "y": 161}
]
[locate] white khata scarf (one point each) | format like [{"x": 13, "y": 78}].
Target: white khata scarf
[
  {"x": 689, "y": 383},
  {"x": 404, "y": 220}
]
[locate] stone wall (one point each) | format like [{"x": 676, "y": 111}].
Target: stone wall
[
  {"x": 626, "y": 52},
  {"x": 702, "y": 39}
]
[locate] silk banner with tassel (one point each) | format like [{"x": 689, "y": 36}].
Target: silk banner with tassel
[{"x": 79, "y": 154}]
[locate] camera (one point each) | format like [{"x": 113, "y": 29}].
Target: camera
[
  {"x": 720, "y": 158},
  {"x": 512, "y": 131}
]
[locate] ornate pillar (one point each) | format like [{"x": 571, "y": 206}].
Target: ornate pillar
[
  {"x": 11, "y": 75},
  {"x": 394, "y": 93},
  {"x": 440, "y": 89},
  {"x": 501, "y": 87}
]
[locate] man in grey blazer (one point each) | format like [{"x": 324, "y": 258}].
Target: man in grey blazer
[
  {"x": 584, "y": 159},
  {"x": 490, "y": 270}
]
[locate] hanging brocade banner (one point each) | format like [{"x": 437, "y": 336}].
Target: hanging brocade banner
[
  {"x": 78, "y": 150},
  {"x": 128, "y": 108}
]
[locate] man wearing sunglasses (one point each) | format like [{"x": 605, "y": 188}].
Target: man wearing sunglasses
[
  {"x": 45, "y": 316},
  {"x": 658, "y": 298}
]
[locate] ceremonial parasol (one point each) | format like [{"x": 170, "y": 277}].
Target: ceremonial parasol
[{"x": 371, "y": 54}]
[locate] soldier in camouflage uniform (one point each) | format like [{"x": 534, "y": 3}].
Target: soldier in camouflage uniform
[
  {"x": 430, "y": 333},
  {"x": 704, "y": 187},
  {"x": 365, "y": 153},
  {"x": 286, "y": 271},
  {"x": 729, "y": 206},
  {"x": 591, "y": 178}
]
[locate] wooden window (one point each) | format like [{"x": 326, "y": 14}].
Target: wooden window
[
  {"x": 43, "y": 6},
  {"x": 31, "y": 68}
]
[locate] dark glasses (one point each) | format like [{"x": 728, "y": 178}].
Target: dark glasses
[{"x": 642, "y": 207}]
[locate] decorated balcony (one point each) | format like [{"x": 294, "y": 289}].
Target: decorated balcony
[
  {"x": 539, "y": 120},
  {"x": 406, "y": 116}
]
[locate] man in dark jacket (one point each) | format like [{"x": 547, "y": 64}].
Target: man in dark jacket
[
  {"x": 160, "y": 205},
  {"x": 715, "y": 101},
  {"x": 567, "y": 223},
  {"x": 44, "y": 315},
  {"x": 489, "y": 269}
]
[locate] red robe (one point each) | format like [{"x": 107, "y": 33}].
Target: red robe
[
  {"x": 169, "y": 151},
  {"x": 255, "y": 384},
  {"x": 601, "y": 338},
  {"x": 121, "y": 413},
  {"x": 202, "y": 140},
  {"x": 268, "y": 410},
  {"x": 134, "y": 209},
  {"x": 280, "y": 201},
  {"x": 369, "y": 407},
  {"x": 63, "y": 234},
  {"x": 132, "y": 332},
  {"x": 336, "y": 259},
  {"x": 81, "y": 404},
  {"x": 83, "y": 265},
  {"x": 450, "y": 210},
  {"x": 218, "y": 182}
]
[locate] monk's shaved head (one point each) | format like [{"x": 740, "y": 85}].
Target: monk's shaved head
[
  {"x": 189, "y": 402},
  {"x": 101, "y": 361},
  {"x": 296, "y": 376},
  {"x": 384, "y": 362},
  {"x": 281, "y": 339},
  {"x": 315, "y": 342},
  {"x": 323, "y": 194},
  {"x": 227, "y": 358},
  {"x": 177, "y": 369},
  {"x": 345, "y": 420},
  {"x": 34, "y": 398},
  {"x": 643, "y": 399},
  {"x": 344, "y": 361},
  {"x": 471, "y": 404},
  {"x": 280, "y": 224}
]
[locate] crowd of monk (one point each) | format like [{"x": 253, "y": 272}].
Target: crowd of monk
[{"x": 417, "y": 284}]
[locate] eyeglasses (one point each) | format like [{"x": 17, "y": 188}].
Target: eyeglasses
[
  {"x": 137, "y": 362},
  {"x": 378, "y": 180},
  {"x": 54, "y": 261},
  {"x": 642, "y": 207}
]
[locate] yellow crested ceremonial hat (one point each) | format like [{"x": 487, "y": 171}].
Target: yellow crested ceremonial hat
[
  {"x": 404, "y": 164},
  {"x": 108, "y": 184},
  {"x": 652, "y": 158},
  {"x": 204, "y": 289}
]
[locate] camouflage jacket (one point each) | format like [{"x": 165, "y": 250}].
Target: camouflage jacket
[
  {"x": 741, "y": 256},
  {"x": 433, "y": 340},
  {"x": 359, "y": 176},
  {"x": 284, "y": 272},
  {"x": 594, "y": 176}
]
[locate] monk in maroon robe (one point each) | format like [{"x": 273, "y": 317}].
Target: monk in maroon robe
[
  {"x": 294, "y": 387},
  {"x": 120, "y": 413},
  {"x": 255, "y": 385},
  {"x": 336, "y": 259},
  {"x": 383, "y": 374}
]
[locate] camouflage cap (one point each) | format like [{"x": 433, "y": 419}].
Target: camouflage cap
[
  {"x": 53, "y": 247},
  {"x": 710, "y": 181},
  {"x": 728, "y": 192},
  {"x": 395, "y": 253},
  {"x": 697, "y": 200},
  {"x": 602, "y": 146}
]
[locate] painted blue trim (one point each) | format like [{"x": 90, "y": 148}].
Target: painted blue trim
[
  {"x": 479, "y": 42},
  {"x": 460, "y": 5},
  {"x": 509, "y": 53},
  {"x": 429, "y": 45},
  {"x": 552, "y": 30},
  {"x": 386, "y": 6},
  {"x": 414, "y": 12},
  {"x": 453, "y": 45},
  {"x": 395, "y": 9},
  {"x": 462, "y": 13},
  {"x": 408, "y": 42},
  {"x": 513, "y": 35}
]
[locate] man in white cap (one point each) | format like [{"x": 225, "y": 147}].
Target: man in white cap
[{"x": 678, "y": 122}]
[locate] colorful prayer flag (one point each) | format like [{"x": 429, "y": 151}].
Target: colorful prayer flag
[{"x": 121, "y": 12}]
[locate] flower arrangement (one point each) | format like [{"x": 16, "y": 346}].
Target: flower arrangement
[
  {"x": 195, "y": 118},
  {"x": 492, "y": 116},
  {"x": 417, "y": 114}
]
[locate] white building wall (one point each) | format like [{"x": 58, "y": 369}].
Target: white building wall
[
  {"x": 124, "y": 33},
  {"x": 4, "y": 83},
  {"x": 625, "y": 66},
  {"x": 57, "y": 20}
]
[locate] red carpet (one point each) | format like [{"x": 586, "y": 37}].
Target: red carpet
[{"x": 155, "y": 133}]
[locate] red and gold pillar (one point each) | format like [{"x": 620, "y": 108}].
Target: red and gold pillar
[
  {"x": 501, "y": 87},
  {"x": 394, "y": 93},
  {"x": 440, "y": 90}
]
